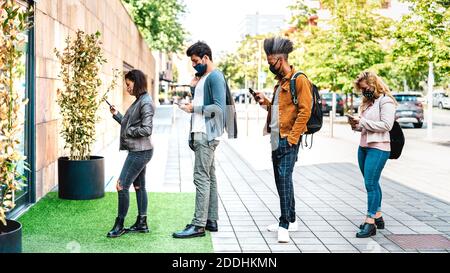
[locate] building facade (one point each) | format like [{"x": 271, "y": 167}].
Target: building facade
[{"x": 123, "y": 47}]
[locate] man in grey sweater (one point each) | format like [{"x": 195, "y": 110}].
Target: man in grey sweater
[{"x": 209, "y": 111}]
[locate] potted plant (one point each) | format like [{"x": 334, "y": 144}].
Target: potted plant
[
  {"x": 14, "y": 21},
  {"x": 81, "y": 176}
]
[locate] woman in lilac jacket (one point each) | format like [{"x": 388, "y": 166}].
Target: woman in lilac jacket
[{"x": 377, "y": 116}]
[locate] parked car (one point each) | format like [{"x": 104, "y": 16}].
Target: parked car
[
  {"x": 239, "y": 96},
  {"x": 327, "y": 98},
  {"x": 441, "y": 100},
  {"x": 410, "y": 109}
]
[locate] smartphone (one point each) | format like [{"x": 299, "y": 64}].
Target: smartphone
[{"x": 107, "y": 103}]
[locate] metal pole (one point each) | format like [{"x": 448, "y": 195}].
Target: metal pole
[
  {"x": 430, "y": 101},
  {"x": 246, "y": 103},
  {"x": 259, "y": 74},
  {"x": 332, "y": 113},
  {"x": 331, "y": 123}
]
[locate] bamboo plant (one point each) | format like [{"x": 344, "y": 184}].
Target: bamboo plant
[
  {"x": 14, "y": 22},
  {"x": 81, "y": 62}
]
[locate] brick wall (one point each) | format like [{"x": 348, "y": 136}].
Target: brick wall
[{"x": 122, "y": 42}]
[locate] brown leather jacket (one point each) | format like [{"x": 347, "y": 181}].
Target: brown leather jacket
[{"x": 292, "y": 122}]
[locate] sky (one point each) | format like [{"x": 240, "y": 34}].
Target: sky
[{"x": 217, "y": 21}]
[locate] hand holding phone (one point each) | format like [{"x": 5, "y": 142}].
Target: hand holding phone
[{"x": 255, "y": 96}]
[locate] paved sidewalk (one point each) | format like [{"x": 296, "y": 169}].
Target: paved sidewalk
[{"x": 330, "y": 197}]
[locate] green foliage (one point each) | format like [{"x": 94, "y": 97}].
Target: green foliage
[
  {"x": 243, "y": 64},
  {"x": 14, "y": 22},
  {"x": 352, "y": 42},
  {"x": 423, "y": 36},
  {"x": 81, "y": 62},
  {"x": 159, "y": 22}
]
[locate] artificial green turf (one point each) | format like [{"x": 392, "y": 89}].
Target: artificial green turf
[{"x": 55, "y": 225}]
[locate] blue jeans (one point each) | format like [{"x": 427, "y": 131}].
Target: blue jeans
[
  {"x": 283, "y": 161},
  {"x": 371, "y": 163}
]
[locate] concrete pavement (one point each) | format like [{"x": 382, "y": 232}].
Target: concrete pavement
[{"x": 330, "y": 195}]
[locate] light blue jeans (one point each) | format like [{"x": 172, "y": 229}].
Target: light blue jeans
[{"x": 371, "y": 163}]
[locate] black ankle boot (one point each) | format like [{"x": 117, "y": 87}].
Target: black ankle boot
[
  {"x": 140, "y": 225},
  {"x": 379, "y": 222},
  {"x": 118, "y": 229},
  {"x": 367, "y": 231},
  {"x": 211, "y": 226}
]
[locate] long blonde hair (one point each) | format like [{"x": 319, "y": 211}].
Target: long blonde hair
[{"x": 377, "y": 84}]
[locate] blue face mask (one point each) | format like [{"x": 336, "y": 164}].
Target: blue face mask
[{"x": 201, "y": 69}]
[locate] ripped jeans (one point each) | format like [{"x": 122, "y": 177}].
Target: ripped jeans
[{"x": 133, "y": 172}]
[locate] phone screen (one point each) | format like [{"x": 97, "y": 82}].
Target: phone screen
[{"x": 252, "y": 92}]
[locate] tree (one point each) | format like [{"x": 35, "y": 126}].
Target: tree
[
  {"x": 159, "y": 22},
  {"x": 243, "y": 64},
  {"x": 423, "y": 36},
  {"x": 352, "y": 41},
  {"x": 14, "y": 22}
]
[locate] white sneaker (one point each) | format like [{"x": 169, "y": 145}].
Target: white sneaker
[
  {"x": 283, "y": 235},
  {"x": 274, "y": 227}
]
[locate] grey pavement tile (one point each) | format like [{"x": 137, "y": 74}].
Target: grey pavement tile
[
  {"x": 321, "y": 228},
  {"x": 225, "y": 228},
  {"x": 242, "y": 222},
  {"x": 400, "y": 230},
  {"x": 307, "y": 241},
  {"x": 246, "y": 234},
  {"x": 302, "y": 234},
  {"x": 252, "y": 228},
  {"x": 224, "y": 241},
  {"x": 370, "y": 248},
  {"x": 227, "y": 248},
  {"x": 334, "y": 240},
  {"x": 315, "y": 222},
  {"x": 313, "y": 248},
  {"x": 342, "y": 248},
  {"x": 224, "y": 234},
  {"x": 392, "y": 247},
  {"x": 291, "y": 248},
  {"x": 251, "y": 248},
  {"x": 346, "y": 228},
  {"x": 425, "y": 230},
  {"x": 360, "y": 241},
  {"x": 252, "y": 241},
  {"x": 324, "y": 234}
]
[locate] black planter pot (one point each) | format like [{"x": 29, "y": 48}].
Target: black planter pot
[
  {"x": 11, "y": 237},
  {"x": 81, "y": 179}
]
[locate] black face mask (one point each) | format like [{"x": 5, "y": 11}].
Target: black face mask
[
  {"x": 201, "y": 69},
  {"x": 274, "y": 70},
  {"x": 368, "y": 93}
]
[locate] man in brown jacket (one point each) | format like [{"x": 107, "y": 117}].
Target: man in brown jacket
[{"x": 286, "y": 123}]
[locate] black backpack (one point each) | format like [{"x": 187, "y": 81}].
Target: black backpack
[
  {"x": 316, "y": 120},
  {"x": 397, "y": 141}
]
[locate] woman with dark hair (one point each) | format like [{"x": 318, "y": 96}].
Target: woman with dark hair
[{"x": 135, "y": 137}]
